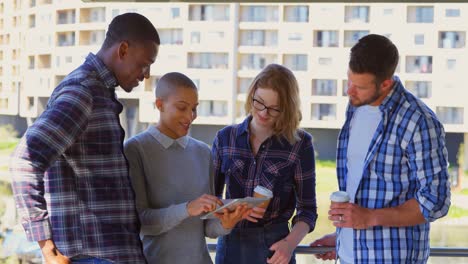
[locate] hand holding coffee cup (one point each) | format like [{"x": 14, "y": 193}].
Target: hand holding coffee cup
[
  {"x": 258, "y": 211},
  {"x": 339, "y": 197},
  {"x": 262, "y": 192}
]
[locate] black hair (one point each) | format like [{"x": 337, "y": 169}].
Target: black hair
[
  {"x": 171, "y": 81},
  {"x": 131, "y": 27},
  {"x": 374, "y": 54}
]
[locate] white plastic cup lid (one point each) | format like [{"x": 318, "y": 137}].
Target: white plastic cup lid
[
  {"x": 339, "y": 197},
  {"x": 263, "y": 191}
]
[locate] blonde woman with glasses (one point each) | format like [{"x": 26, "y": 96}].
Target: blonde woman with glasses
[{"x": 267, "y": 149}]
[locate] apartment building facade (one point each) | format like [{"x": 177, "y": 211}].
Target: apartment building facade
[{"x": 223, "y": 46}]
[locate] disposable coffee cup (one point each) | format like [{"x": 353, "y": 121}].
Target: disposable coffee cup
[
  {"x": 339, "y": 197},
  {"x": 262, "y": 192}
]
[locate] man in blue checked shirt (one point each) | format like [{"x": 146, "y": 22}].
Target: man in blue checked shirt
[
  {"x": 392, "y": 162},
  {"x": 70, "y": 176}
]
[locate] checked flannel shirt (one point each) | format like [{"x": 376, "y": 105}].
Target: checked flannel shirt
[
  {"x": 70, "y": 176},
  {"x": 407, "y": 158}
]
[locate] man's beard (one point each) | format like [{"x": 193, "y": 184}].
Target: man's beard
[{"x": 369, "y": 101}]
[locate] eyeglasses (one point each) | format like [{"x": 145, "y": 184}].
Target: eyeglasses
[{"x": 260, "y": 107}]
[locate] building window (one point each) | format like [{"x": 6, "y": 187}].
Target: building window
[
  {"x": 65, "y": 17},
  {"x": 175, "y": 12},
  {"x": 209, "y": 13},
  {"x": 450, "y": 115},
  {"x": 420, "y": 14},
  {"x": 294, "y": 36},
  {"x": 325, "y": 61},
  {"x": 296, "y": 13},
  {"x": 326, "y": 38},
  {"x": 259, "y": 14},
  {"x": 388, "y": 11},
  {"x": 452, "y": 39},
  {"x": 451, "y": 64},
  {"x": 212, "y": 108},
  {"x": 32, "y": 21},
  {"x": 206, "y": 60},
  {"x": 419, "y": 64},
  {"x": 31, "y": 62},
  {"x": 419, "y": 39},
  {"x": 65, "y": 39},
  {"x": 296, "y": 62},
  {"x": 171, "y": 36},
  {"x": 324, "y": 87},
  {"x": 243, "y": 85},
  {"x": 259, "y": 38},
  {"x": 256, "y": 61},
  {"x": 195, "y": 37},
  {"x": 421, "y": 89},
  {"x": 351, "y": 37},
  {"x": 356, "y": 14},
  {"x": 323, "y": 112},
  {"x": 449, "y": 12}
]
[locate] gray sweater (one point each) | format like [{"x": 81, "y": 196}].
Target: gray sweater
[{"x": 166, "y": 174}]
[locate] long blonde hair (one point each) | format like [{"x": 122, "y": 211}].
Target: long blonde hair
[{"x": 281, "y": 80}]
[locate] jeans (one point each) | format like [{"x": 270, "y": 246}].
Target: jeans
[
  {"x": 250, "y": 245},
  {"x": 90, "y": 260}
]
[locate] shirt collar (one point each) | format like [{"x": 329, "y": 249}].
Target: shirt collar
[
  {"x": 166, "y": 141},
  {"x": 244, "y": 126},
  {"x": 393, "y": 98},
  {"x": 102, "y": 71}
]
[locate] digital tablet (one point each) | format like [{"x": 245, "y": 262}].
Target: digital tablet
[{"x": 232, "y": 204}]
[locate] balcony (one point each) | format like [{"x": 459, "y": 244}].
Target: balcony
[
  {"x": 65, "y": 39},
  {"x": 91, "y": 37},
  {"x": 93, "y": 15},
  {"x": 66, "y": 17}
]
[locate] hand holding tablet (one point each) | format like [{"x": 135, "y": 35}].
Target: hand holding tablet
[{"x": 232, "y": 204}]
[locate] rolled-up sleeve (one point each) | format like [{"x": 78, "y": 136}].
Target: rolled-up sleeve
[
  {"x": 54, "y": 131},
  {"x": 428, "y": 159},
  {"x": 305, "y": 185}
]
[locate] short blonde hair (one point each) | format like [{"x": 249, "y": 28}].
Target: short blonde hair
[{"x": 281, "y": 80}]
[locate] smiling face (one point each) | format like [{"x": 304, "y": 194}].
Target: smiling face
[
  {"x": 134, "y": 63},
  {"x": 363, "y": 89},
  {"x": 264, "y": 97},
  {"x": 177, "y": 112}
]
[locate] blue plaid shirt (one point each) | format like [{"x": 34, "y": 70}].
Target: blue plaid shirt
[
  {"x": 70, "y": 176},
  {"x": 409, "y": 158},
  {"x": 288, "y": 170}
]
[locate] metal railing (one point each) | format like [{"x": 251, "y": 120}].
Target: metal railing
[{"x": 435, "y": 251}]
